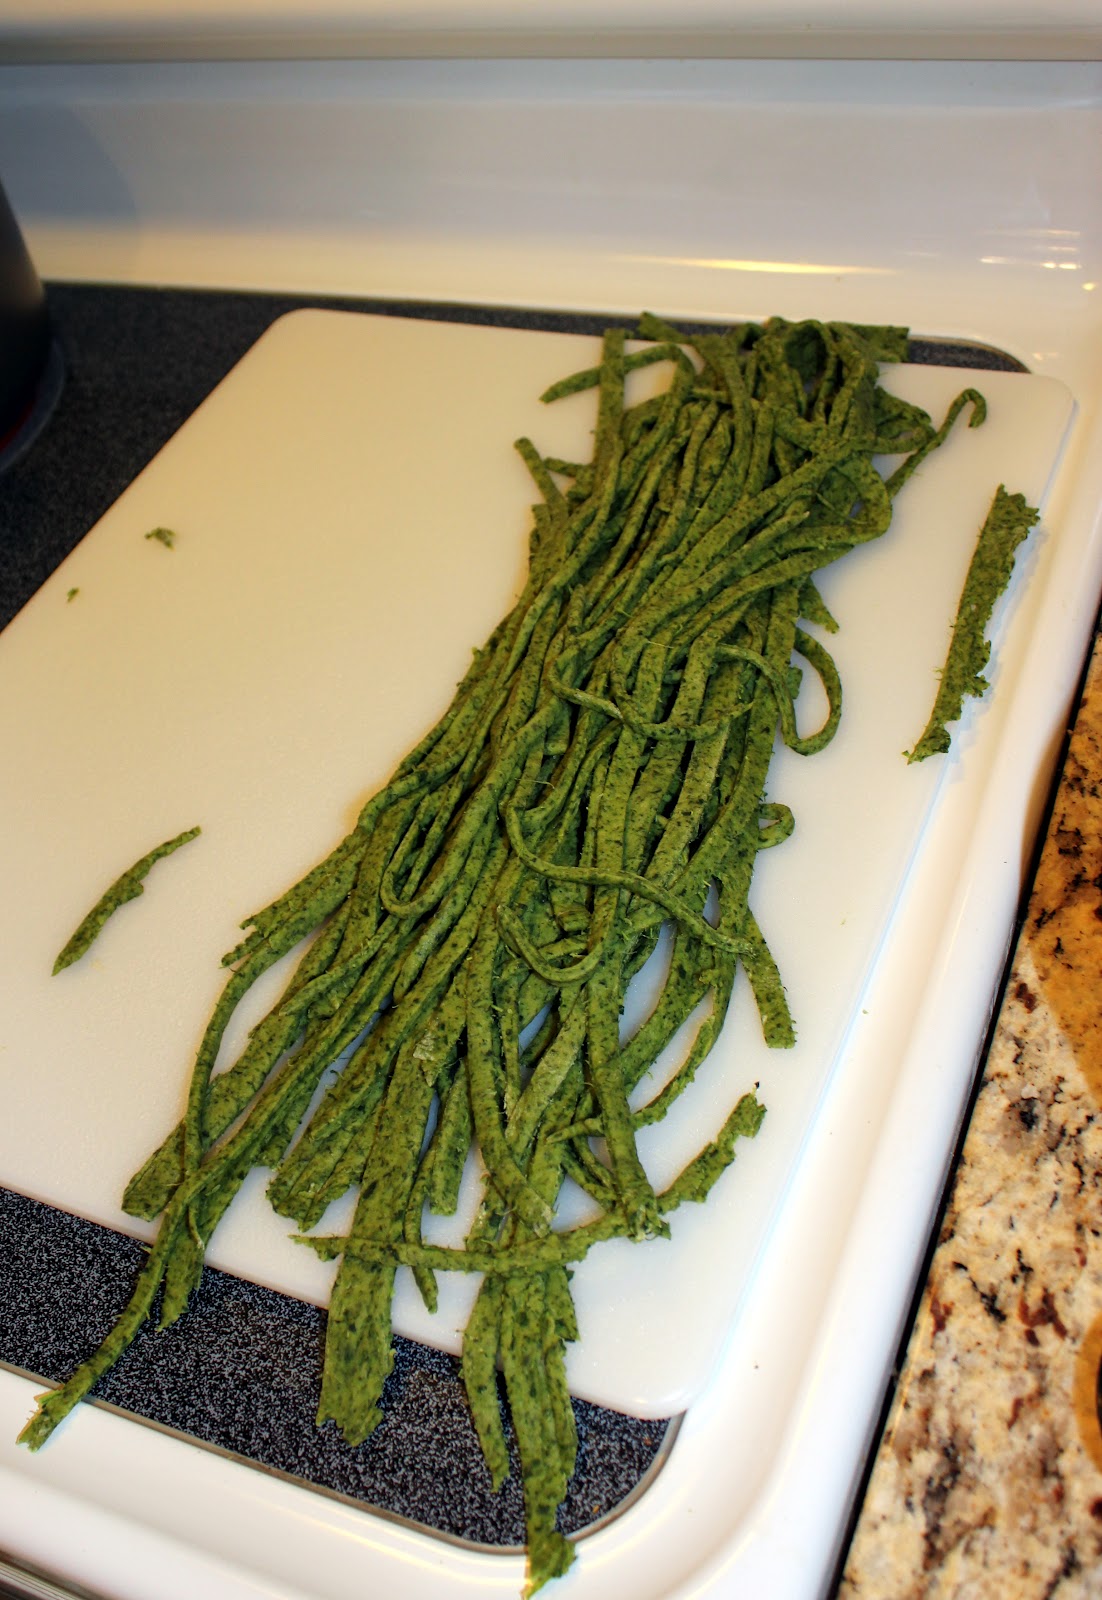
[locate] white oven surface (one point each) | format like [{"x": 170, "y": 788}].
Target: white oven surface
[{"x": 961, "y": 200}]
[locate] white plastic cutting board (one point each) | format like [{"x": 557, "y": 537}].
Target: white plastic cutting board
[{"x": 350, "y": 520}]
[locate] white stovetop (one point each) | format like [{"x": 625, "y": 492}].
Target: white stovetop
[{"x": 964, "y": 200}]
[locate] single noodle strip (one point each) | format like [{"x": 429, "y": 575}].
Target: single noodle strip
[
  {"x": 128, "y": 886},
  {"x": 1008, "y": 522}
]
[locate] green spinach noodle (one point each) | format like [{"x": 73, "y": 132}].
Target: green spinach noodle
[
  {"x": 127, "y": 886},
  {"x": 1007, "y": 523},
  {"x": 599, "y": 775}
]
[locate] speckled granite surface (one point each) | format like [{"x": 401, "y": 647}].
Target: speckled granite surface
[{"x": 988, "y": 1481}]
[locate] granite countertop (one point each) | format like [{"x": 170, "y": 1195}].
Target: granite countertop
[{"x": 988, "y": 1477}]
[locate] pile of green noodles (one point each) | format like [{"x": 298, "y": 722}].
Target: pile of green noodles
[{"x": 601, "y": 773}]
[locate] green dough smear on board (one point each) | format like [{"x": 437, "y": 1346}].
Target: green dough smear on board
[
  {"x": 601, "y": 775},
  {"x": 1007, "y": 524}
]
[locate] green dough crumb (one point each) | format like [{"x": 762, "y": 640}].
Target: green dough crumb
[
  {"x": 1008, "y": 522},
  {"x": 127, "y": 887},
  {"x": 164, "y": 535},
  {"x": 72, "y": 594}
]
